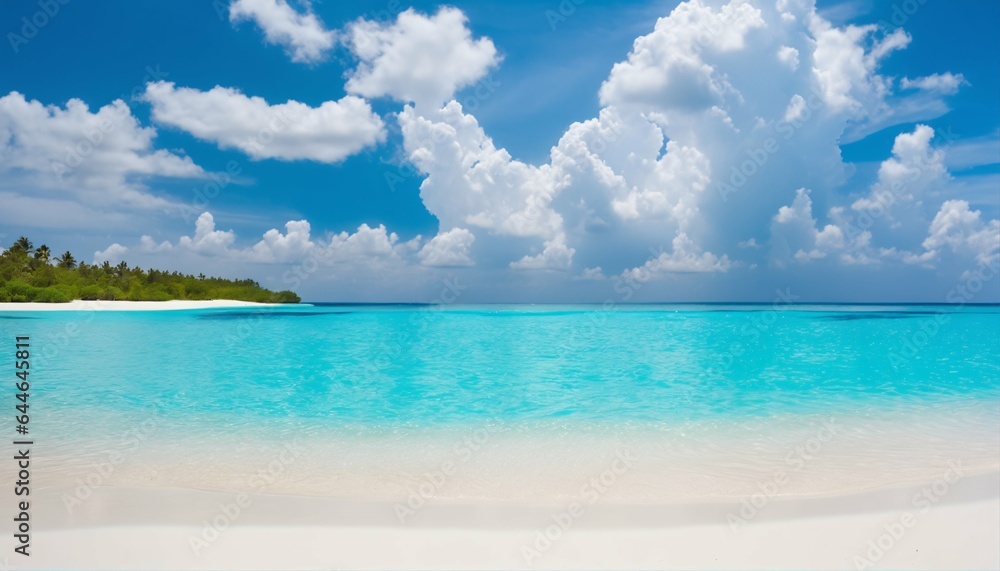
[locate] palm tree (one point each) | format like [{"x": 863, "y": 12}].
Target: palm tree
[
  {"x": 43, "y": 253},
  {"x": 121, "y": 268},
  {"x": 67, "y": 261},
  {"x": 23, "y": 244}
]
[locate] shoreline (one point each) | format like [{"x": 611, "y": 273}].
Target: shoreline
[
  {"x": 213, "y": 530},
  {"x": 804, "y": 455},
  {"x": 104, "y": 305}
]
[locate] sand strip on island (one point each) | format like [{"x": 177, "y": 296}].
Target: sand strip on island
[{"x": 101, "y": 305}]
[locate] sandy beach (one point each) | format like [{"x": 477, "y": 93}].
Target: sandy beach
[
  {"x": 752, "y": 496},
  {"x": 135, "y": 528},
  {"x": 100, "y": 305}
]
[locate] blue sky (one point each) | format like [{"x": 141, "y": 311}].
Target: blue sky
[{"x": 530, "y": 151}]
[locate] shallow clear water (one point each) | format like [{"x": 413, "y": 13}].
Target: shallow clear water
[{"x": 229, "y": 383}]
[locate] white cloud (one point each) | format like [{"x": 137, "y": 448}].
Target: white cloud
[
  {"x": 287, "y": 131},
  {"x": 908, "y": 183},
  {"x": 692, "y": 104},
  {"x": 149, "y": 246},
  {"x": 685, "y": 257},
  {"x": 681, "y": 173},
  {"x": 963, "y": 231},
  {"x": 301, "y": 34},
  {"x": 593, "y": 274},
  {"x": 449, "y": 248},
  {"x": 846, "y": 70},
  {"x": 207, "y": 240},
  {"x": 664, "y": 69},
  {"x": 97, "y": 158},
  {"x": 418, "y": 58},
  {"x": 682, "y": 116},
  {"x": 947, "y": 83},
  {"x": 796, "y": 109},
  {"x": 849, "y": 73},
  {"x": 678, "y": 153},
  {"x": 914, "y": 173},
  {"x": 367, "y": 244},
  {"x": 973, "y": 152},
  {"x": 555, "y": 256},
  {"x": 112, "y": 254},
  {"x": 469, "y": 182},
  {"x": 896, "y": 40},
  {"x": 606, "y": 174},
  {"x": 293, "y": 245},
  {"x": 789, "y": 56},
  {"x": 794, "y": 228},
  {"x": 795, "y": 235}
]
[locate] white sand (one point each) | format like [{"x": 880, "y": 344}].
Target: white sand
[
  {"x": 134, "y": 528},
  {"x": 688, "y": 462},
  {"x": 80, "y": 305}
]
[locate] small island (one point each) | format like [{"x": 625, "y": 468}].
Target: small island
[{"x": 29, "y": 274}]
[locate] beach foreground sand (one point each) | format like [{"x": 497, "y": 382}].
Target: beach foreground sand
[
  {"x": 100, "y": 305},
  {"x": 136, "y": 528}
]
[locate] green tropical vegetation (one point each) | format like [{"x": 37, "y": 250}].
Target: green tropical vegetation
[{"x": 28, "y": 273}]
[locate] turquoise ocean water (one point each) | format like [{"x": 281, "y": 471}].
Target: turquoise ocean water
[{"x": 225, "y": 380}]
